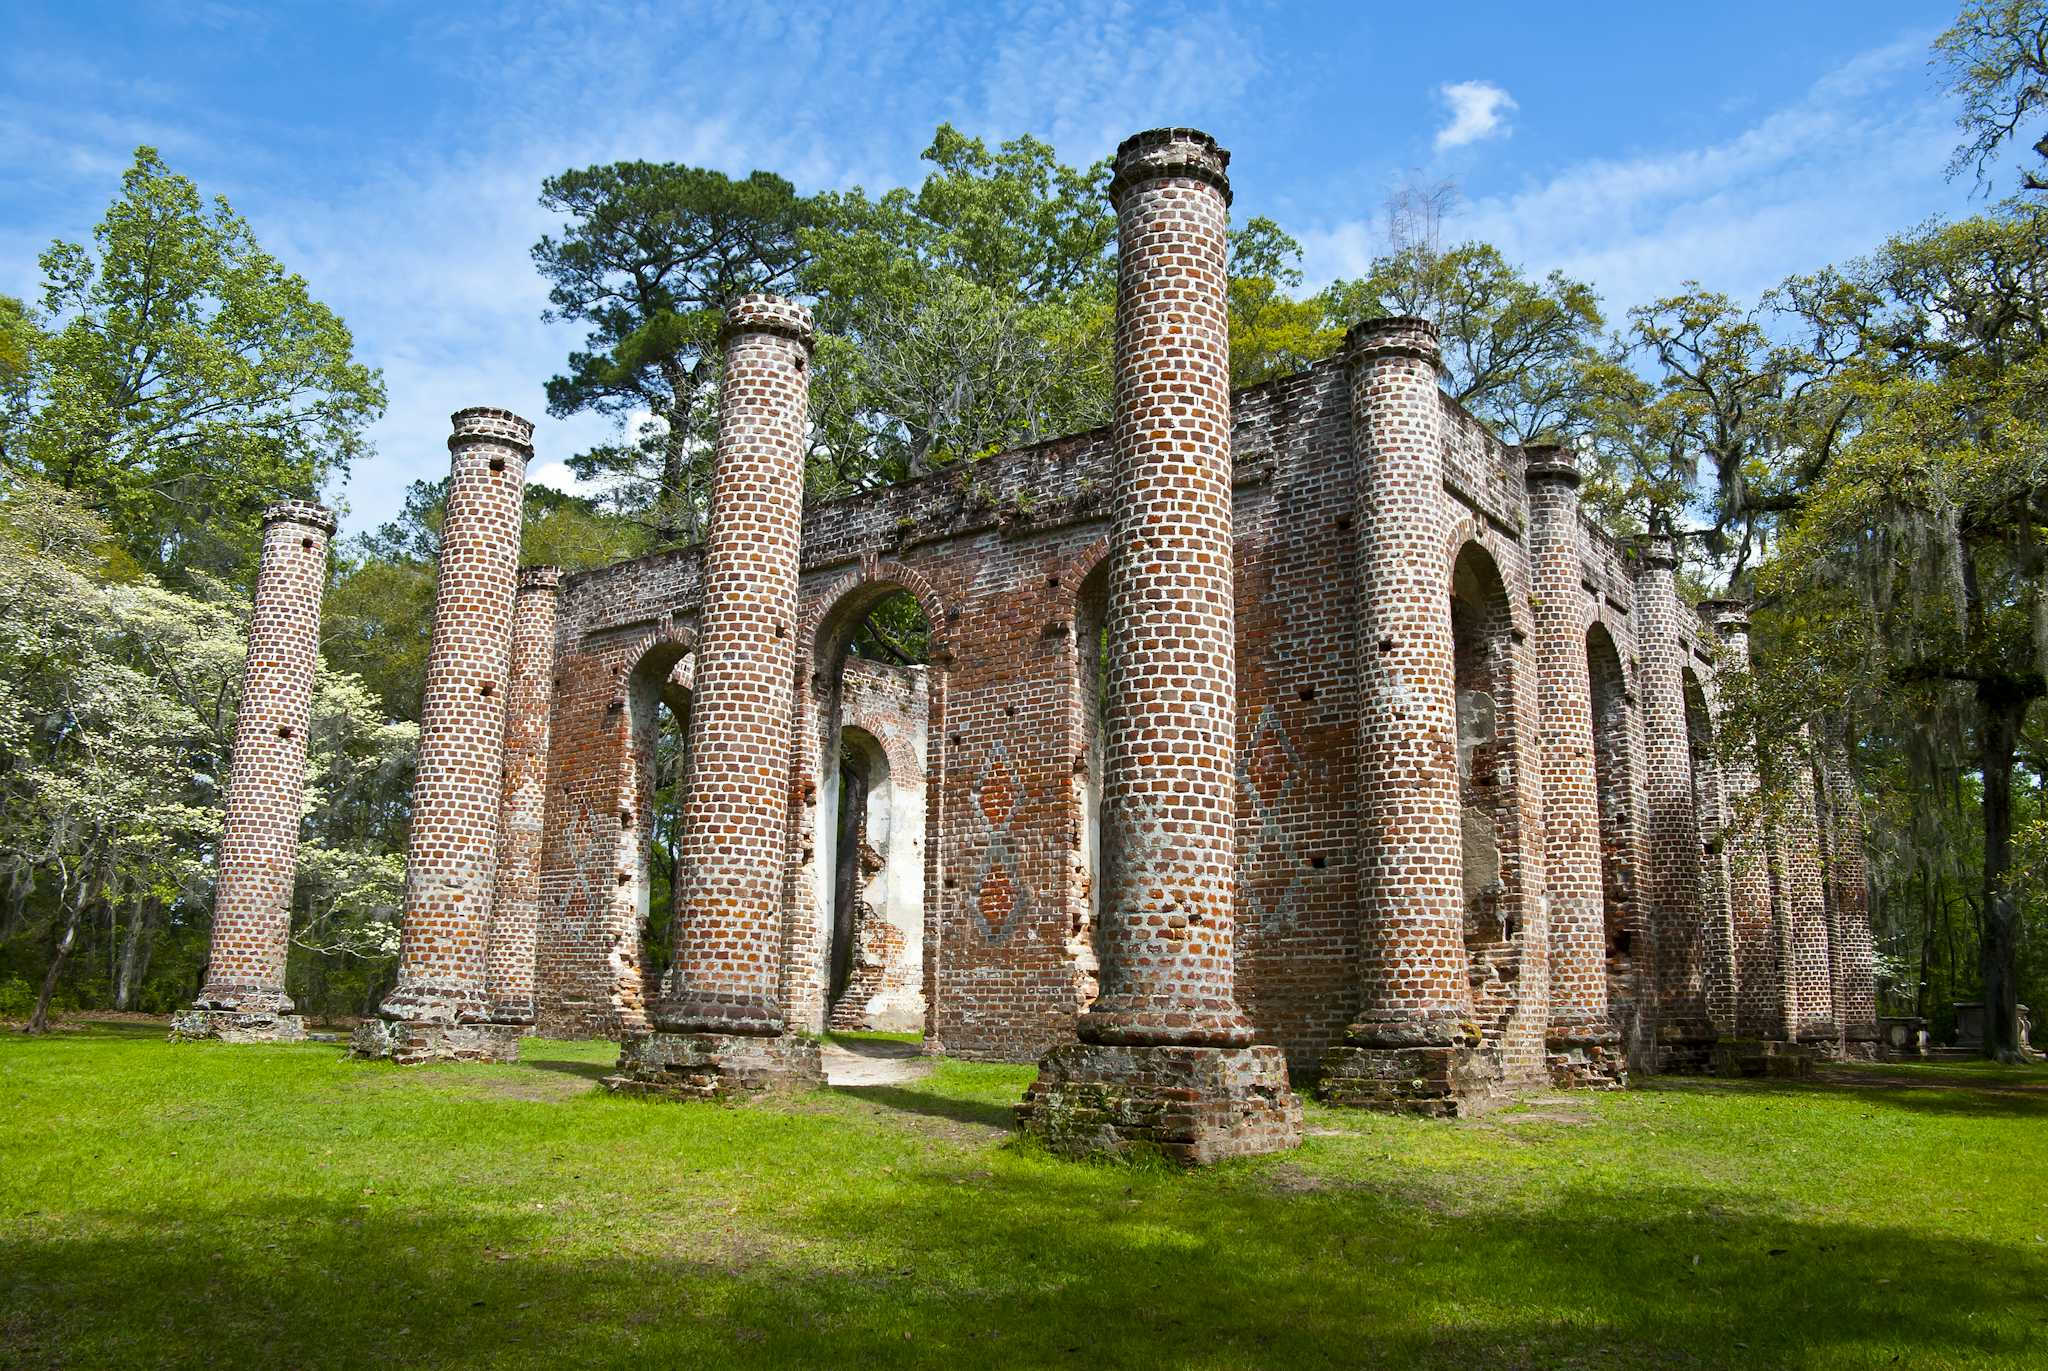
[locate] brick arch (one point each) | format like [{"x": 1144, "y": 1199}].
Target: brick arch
[
  {"x": 877, "y": 575},
  {"x": 1075, "y": 570},
  {"x": 659, "y": 649},
  {"x": 1472, "y": 533},
  {"x": 804, "y": 914}
]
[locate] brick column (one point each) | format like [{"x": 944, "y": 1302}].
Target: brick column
[
  {"x": 244, "y": 998},
  {"x": 1685, "y": 1033},
  {"x": 1759, "y": 1001},
  {"x": 1848, "y": 883},
  {"x": 1810, "y": 977},
  {"x": 1414, "y": 1045},
  {"x": 1581, "y": 1041},
  {"x": 529, "y": 703},
  {"x": 440, "y": 1008},
  {"x": 1167, "y": 1023},
  {"x": 719, "y": 1028}
]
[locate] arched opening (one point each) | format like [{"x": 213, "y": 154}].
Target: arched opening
[
  {"x": 1618, "y": 876},
  {"x": 1091, "y": 685},
  {"x": 872, "y": 693},
  {"x": 1481, "y": 629},
  {"x": 650, "y": 802}
]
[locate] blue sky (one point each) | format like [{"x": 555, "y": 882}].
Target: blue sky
[{"x": 391, "y": 153}]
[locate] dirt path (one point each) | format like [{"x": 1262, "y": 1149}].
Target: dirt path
[{"x": 867, "y": 1062}]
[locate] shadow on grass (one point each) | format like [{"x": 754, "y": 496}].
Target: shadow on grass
[
  {"x": 1039, "y": 1266},
  {"x": 1931, "y": 1097},
  {"x": 907, "y": 1100},
  {"x": 589, "y": 1071}
]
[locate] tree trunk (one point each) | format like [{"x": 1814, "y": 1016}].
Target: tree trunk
[
  {"x": 2003, "y": 710},
  {"x": 74, "y": 913},
  {"x": 135, "y": 950},
  {"x": 675, "y": 520}
]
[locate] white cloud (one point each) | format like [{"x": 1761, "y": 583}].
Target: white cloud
[
  {"x": 1479, "y": 109},
  {"x": 1824, "y": 177}
]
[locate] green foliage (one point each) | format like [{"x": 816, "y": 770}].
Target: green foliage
[
  {"x": 179, "y": 379},
  {"x": 650, "y": 256},
  {"x": 1273, "y": 332},
  {"x": 970, "y": 315},
  {"x": 117, "y": 707},
  {"x": 1996, "y": 57},
  {"x": 1515, "y": 349}
]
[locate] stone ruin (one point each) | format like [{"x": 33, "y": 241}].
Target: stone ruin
[{"x": 1304, "y": 735}]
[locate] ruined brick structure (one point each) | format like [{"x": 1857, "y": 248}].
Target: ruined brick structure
[
  {"x": 441, "y": 1006},
  {"x": 1305, "y": 733},
  {"x": 244, "y": 998}
]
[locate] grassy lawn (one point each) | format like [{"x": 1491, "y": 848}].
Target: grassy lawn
[{"x": 282, "y": 1207}]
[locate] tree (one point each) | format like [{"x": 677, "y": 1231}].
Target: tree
[
  {"x": 1272, "y": 331},
  {"x": 652, "y": 254},
  {"x": 1932, "y": 520},
  {"x": 1515, "y": 350},
  {"x": 1996, "y": 55},
  {"x": 181, "y": 379},
  {"x": 964, "y": 317}
]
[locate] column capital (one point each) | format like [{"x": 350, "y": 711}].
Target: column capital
[
  {"x": 1399, "y": 335},
  {"x": 300, "y": 512},
  {"x": 1550, "y": 464},
  {"x": 548, "y": 578},
  {"x": 483, "y": 424},
  {"x": 765, "y": 313},
  {"x": 1158, "y": 153}
]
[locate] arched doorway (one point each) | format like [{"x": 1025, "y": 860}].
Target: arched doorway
[
  {"x": 1482, "y": 627},
  {"x": 859, "y": 919},
  {"x": 1618, "y": 875},
  {"x": 656, "y": 761},
  {"x": 1091, "y": 689}
]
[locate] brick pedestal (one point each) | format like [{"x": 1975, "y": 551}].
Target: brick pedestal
[
  {"x": 515, "y": 897},
  {"x": 1167, "y": 1018},
  {"x": 410, "y": 1042},
  {"x": 244, "y": 997},
  {"x": 232, "y": 1026},
  {"x": 720, "y": 1031},
  {"x": 440, "y": 1006},
  {"x": 1414, "y": 1046},
  {"x": 727, "y": 1067},
  {"x": 1191, "y": 1105},
  {"x": 1582, "y": 1045}
]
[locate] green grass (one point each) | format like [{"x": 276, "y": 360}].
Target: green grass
[{"x": 283, "y": 1207}]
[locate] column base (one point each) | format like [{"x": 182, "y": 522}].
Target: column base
[
  {"x": 237, "y": 1026},
  {"x": 1586, "y": 1059},
  {"x": 1190, "y": 1105},
  {"x": 410, "y": 1042},
  {"x": 1440, "y": 1080},
  {"x": 716, "y": 1066},
  {"x": 1686, "y": 1049},
  {"x": 1758, "y": 1057}
]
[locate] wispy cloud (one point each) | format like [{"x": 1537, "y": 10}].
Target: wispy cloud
[
  {"x": 1822, "y": 178},
  {"x": 1479, "y": 110}
]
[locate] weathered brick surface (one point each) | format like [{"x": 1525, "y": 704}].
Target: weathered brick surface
[
  {"x": 726, "y": 974},
  {"x": 1164, "y": 931},
  {"x": 1809, "y": 958},
  {"x": 1759, "y": 1007},
  {"x": 451, "y": 856},
  {"x": 1190, "y": 1105},
  {"x": 1673, "y": 826},
  {"x": 1848, "y": 892},
  {"x": 515, "y": 898},
  {"x": 244, "y": 997},
  {"x": 1582, "y": 1040}
]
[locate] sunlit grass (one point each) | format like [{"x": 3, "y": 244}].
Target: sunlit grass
[{"x": 284, "y": 1207}]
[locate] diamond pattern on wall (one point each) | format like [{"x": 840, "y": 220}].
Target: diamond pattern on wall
[
  {"x": 996, "y": 890},
  {"x": 1268, "y": 771}
]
